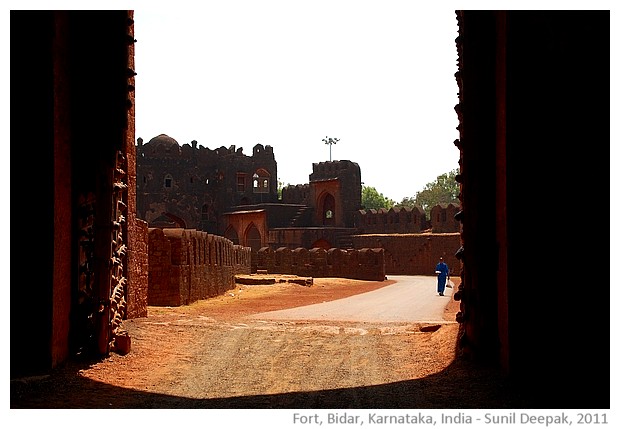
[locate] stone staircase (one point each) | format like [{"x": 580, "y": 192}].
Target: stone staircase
[{"x": 299, "y": 217}]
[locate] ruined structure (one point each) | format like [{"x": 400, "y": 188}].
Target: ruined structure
[
  {"x": 533, "y": 85},
  {"x": 192, "y": 186},
  {"x": 226, "y": 192}
]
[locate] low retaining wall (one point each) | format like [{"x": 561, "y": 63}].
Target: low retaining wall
[
  {"x": 186, "y": 265},
  {"x": 362, "y": 264}
]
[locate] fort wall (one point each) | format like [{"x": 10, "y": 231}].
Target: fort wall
[
  {"x": 192, "y": 186},
  {"x": 186, "y": 265},
  {"x": 445, "y": 218},
  {"x": 414, "y": 254},
  {"x": 138, "y": 270},
  {"x": 395, "y": 220},
  {"x": 362, "y": 264}
]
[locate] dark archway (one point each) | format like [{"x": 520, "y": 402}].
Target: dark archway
[
  {"x": 328, "y": 211},
  {"x": 253, "y": 238},
  {"x": 231, "y": 234}
]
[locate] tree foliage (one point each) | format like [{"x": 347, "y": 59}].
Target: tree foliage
[
  {"x": 281, "y": 186},
  {"x": 444, "y": 190},
  {"x": 373, "y": 199}
]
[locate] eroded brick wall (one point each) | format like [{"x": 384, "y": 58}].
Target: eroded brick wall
[
  {"x": 414, "y": 254},
  {"x": 186, "y": 265},
  {"x": 362, "y": 264}
]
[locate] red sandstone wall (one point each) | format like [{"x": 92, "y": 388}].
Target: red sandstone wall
[
  {"x": 442, "y": 218},
  {"x": 138, "y": 270},
  {"x": 397, "y": 220},
  {"x": 137, "y": 229},
  {"x": 414, "y": 254},
  {"x": 186, "y": 265},
  {"x": 160, "y": 263},
  {"x": 363, "y": 264}
]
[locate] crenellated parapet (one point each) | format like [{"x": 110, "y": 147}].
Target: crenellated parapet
[
  {"x": 186, "y": 265},
  {"x": 191, "y": 186},
  {"x": 362, "y": 264},
  {"x": 331, "y": 169},
  {"x": 166, "y": 147},
  {"x": 296, "y": 194},
  {"x": 444, "y": 218},
  {"x": 396, "y": 220}
]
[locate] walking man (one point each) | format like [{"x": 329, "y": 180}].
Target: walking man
[{"x": 441, "y": 269}]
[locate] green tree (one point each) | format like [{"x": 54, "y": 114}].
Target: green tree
[
  {"x": 373, "y": 199},
  {"x": 281, "y": 185},
  {"x": 444, "y": 190}
]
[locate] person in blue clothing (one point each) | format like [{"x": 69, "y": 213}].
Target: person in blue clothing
[{"x": 443, "y": 273}]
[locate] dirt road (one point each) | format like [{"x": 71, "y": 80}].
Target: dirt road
[{"x": 216, "y": 354}]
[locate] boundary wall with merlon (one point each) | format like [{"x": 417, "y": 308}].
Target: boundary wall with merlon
[
  {"x": 361, "y": 264},
  {"x": 186, "y": 265},
  {"x": 414, "y": 254}
]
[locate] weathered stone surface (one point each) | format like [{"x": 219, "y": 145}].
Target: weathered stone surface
[{"x": 266, "y": 279}]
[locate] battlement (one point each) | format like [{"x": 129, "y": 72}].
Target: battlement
[
  {"x": 186, "y": 265},
  {"x": 394, "y": 220},
  {"x": 362, "y": 264},
  {"x": 296, "y": 194},
  {"x": 164, "y": 146},
  {"x": 332, "y": 169},
  {"x": 444, "y": 218}
]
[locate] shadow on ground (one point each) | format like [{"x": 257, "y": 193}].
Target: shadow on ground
[{"x": 460, "y": 386}]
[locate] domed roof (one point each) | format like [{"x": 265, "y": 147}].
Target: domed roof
[{"x": 163, "y": 140}]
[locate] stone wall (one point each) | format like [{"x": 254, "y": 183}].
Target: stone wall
[
  {"x": 397, "y": 220},
  {"x": 138, "y": 270},
  {"x": 444, "y": 218},
  {"x": 362, "y": 264},
  {"x": 414, "y": 254},
  {"x": 186, "y": 265},
  {"x": 192, "y": 185},
  {"x": 309, "y": 237}
]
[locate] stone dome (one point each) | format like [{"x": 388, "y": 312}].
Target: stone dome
[{"x": 163, "y": 140}]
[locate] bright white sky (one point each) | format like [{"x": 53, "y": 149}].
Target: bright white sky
[{"x": 379, "y": 76}]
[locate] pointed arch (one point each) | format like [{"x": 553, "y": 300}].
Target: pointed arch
[
  {"x": 231, "y": 234},
  {"x": 253, "y": 238},
  {"x": 327, "y": 207},
  {"x": 261, "y": 180}
]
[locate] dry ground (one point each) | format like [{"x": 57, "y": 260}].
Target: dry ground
[{"x": 207, "y": 355}]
